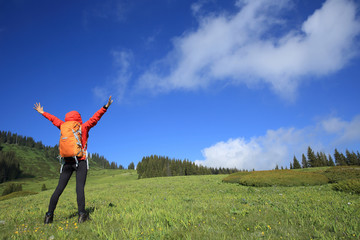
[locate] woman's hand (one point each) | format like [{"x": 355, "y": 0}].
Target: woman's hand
[
  {"x": 39, "y": 108},
  {"x": 109, "y": 102}
]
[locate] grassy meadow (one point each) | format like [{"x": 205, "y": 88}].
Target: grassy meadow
[{"x": 185, "y": 207}]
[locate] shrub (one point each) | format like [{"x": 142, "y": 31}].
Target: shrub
[
  {"x": 277, "y": 178},
  {"x": 17, "y": 194},
  {"x": 235, "y": 177},
  {"x": 340, "y": 173},
  {"x": 13, "y": 187},
  {"x": 350, "y": 185}
]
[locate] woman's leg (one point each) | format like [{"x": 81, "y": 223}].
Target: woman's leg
[
  {"x": 63, "y": 181},
  {"x": 81, "y": 173}
]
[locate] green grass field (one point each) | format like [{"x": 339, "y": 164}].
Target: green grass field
[{"x": 191, "y": 207}]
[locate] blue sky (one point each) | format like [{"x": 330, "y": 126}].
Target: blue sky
[{"x": 243, "y": 84}]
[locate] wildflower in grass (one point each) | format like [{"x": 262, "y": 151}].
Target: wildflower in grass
[
  {"x": 16, "y": 232},
  {"x": 269, "y": 227},
  {"x": 262, "y": 233},
  {"x": 248, "y": 229}
]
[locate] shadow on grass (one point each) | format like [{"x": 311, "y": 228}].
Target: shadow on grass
[
  {"x": 88, "y": 210},
  {"x": 27, "y": 175}
]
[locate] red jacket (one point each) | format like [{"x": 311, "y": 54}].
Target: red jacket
[{"x": 75, "y": 116}]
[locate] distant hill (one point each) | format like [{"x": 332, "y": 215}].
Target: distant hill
[
  {"x": 37, "y": 160},
  {"x": 34, "y": 163}
]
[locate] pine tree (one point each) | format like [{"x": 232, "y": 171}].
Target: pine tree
[
  {"x": 296, "y": 164},
  {"x": 351, "y": 158},
  {"x": 343, "y": 158},
  {"x": 131, "y": 165},
  {"x": 331, "y": 161},
  {"x": 304, "y": 162},
  {"x": 113, "y": 165},
  {"x": 9, "y": 166},
  {"x": 30, "y": 142},
  {"x": 340, "y": 159},
  {"x": 313, "y": 162},
  {"x": 321, "y": 159}
]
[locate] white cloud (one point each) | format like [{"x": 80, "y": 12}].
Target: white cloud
[
  {"x": 108, "y": 9},
  {"x": 241, "y": 48},
  {"x": 119, "y": 84},
  {"x": 344, "y": 131},
  {"x": 198, "y": 6},
  {"x": 122, "y": 62},
  {"x": 101, "y": 93},
  {"x": 334, "y": 125},
  {"x": 279, "y": 146}
]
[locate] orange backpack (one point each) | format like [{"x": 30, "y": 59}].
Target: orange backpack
[{"x": 70, "y": 140}]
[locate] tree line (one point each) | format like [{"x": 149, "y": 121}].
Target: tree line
[
  {"x": 320, "y": 159},
  {"x": 161, "y": 166},
  {"x": 103, "y": 162},
  {"x": 13, "y": 138}
]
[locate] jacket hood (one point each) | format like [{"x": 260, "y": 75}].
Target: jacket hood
[{"x": 73, "y": 116}]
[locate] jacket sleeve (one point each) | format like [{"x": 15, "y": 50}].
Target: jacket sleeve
[
  {"x": 95, "y": 118},
  {"x": 56, "y": 121}
]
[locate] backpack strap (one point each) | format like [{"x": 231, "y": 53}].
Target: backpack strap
[
  {"x": 77, "y": 162},
  {"x": 87, "y": 160},
  {"x": 62, "y": 162},
  {"x": 78, "y": 142},
  {"x": 76, "y": 137}
]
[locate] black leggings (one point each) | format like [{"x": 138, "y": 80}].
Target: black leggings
[{"x": 68, "y": 169}]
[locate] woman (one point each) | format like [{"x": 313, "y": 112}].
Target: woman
[{"x": 79, "y": 166}]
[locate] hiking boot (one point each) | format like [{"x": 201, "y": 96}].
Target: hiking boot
[
  {"x": 83, "y": 216},
  {"x": 48, "y": 218}
]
